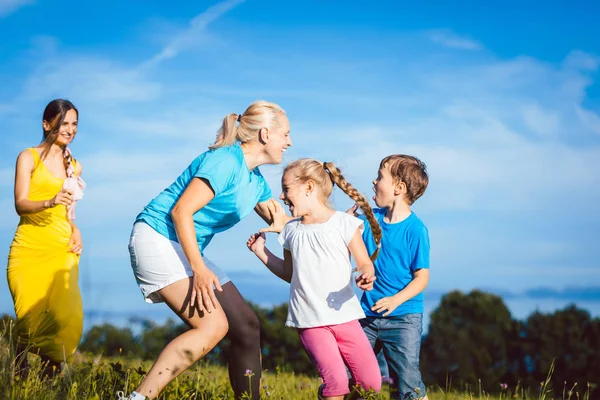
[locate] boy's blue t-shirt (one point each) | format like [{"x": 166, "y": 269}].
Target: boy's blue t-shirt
[
  {"x": 237, "y": 191},
  {"x": 404, "y": 249}
]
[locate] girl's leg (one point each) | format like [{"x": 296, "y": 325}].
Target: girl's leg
[
  {"x": 321, "y": 346},
  {"x": 358, "y": 355},
  {"x": 244, "y": 334},
  {"x": 207, "y": 329}
]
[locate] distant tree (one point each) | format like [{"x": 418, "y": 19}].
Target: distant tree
[
  {"x": 154, "y": 337},
  {"x": 109, "y": 340},
  {"x": 468, "y": 341},
  {"x": 571, "y": 339},
  {"x": 281, "y": 346}
]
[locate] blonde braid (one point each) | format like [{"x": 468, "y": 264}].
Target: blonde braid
[{"x": 363, "y": 203}]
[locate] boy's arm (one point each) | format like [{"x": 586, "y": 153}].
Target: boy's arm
[
  {"x": 420, "y": 266},
  {"x": 416, "y": 286}
]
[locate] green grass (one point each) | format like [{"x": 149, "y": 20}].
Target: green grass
[{"x": 96, "y": 377}]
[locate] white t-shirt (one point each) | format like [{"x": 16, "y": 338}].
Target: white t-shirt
[{"x": 321, "y": 291}]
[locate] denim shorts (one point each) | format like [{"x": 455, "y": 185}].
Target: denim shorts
[{"x": 400, "y": 339}]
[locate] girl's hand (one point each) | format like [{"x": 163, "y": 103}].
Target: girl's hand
[
  {"x": 278, "y": 216},
  {"x": 365, "y": 281},
  {"x": 75, "y": 244},
  {"x": 256, "y": 243},
  {"x": 64, "y": 197},
  {"x": 202, "y": 289}
]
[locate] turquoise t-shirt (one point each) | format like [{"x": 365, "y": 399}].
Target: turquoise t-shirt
[
  {"x": 237, "y": 191},
  {"x": 404, "y": 250}
]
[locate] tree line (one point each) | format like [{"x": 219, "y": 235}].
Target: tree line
[{"x": 472, "y": 341}]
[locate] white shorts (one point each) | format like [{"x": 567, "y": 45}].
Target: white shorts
[{"x": 158, "y": 261}]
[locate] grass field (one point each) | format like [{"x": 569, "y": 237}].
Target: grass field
[{"x": 95, "y": 377}]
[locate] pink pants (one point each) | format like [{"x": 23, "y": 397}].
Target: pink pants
[{"x": 334, "y": 347}]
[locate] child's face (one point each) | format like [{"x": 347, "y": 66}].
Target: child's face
[
  {"x": 385, "y": 189},
  {"x": 293, "y": 194}
]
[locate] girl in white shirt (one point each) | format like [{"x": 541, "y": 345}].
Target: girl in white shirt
[{"x": 317, "y": 245}]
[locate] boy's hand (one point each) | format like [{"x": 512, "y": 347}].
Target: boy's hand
[
  {"x": 353, "y": 210},
  {"x": 387, "y": 304},
  {"x": 365, "y": 281},
  {"x": 256, "y": 243}
]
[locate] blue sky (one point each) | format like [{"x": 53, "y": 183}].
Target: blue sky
[{"x": 503, "y": 104}]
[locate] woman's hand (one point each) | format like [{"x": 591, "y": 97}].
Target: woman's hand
[
  {"x": 256, "y": 243},
  {"x": 64, "y": 197},
  {"x": 278, "y": 216},
  {"x": 203, "y": 291},
  {"x": 75, "y": 244}
]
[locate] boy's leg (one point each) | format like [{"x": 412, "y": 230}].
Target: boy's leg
[
  {"x": 401, "y": 341},
  {"x": 322, "y": 348},
  {"x": 369, "y": 326},
  {"x": 358, "y": 355}
]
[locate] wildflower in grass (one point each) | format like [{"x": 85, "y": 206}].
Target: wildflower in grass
[{"x": 503, "y": 386}]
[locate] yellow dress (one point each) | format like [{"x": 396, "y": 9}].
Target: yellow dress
[{"x": 43, "y": 274}]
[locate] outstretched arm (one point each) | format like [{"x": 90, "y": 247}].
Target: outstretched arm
[
  {"x": 273, "y": 214},
  {"x": 281, "y": 268}
]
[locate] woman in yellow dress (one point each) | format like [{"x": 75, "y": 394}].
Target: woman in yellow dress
[{"x": 44, "y": 255}]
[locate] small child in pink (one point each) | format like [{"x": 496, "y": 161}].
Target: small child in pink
[{"x": 317, "y": 244}]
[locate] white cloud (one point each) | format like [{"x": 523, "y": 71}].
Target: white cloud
[
  {"x": 194, "y": 33},
  {"x": 10, "y": 6},
  {"x": 540, "y": 121},
  {"x": 91, "y": 79},
  {"x": 589, "y": 119},
  {"x": 449, "y": 39}
]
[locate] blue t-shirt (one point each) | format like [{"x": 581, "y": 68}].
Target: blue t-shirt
[
  {"x": 404, "y": 249},
  {"x": 237, "y": 191}
]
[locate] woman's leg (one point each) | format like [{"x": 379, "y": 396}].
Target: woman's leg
[
  {"x": 207, "y": 329},
  {"x": 244, "y": 334}
]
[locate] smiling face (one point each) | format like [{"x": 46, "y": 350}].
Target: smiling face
[
  {"x": 295, "y": 194},
  {"x": 277, "y": 139},
  {"x": 64, "y": 134}
]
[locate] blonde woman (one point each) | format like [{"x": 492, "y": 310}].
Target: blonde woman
[{"x": 218, "y": 189}]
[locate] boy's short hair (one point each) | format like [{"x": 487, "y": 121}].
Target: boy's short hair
[{"x": 411, "y": 171}]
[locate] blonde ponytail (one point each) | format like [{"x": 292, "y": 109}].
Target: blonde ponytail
[
  {"x": 325, "y": 175},
  {"x": 363, "y": 203},
  {"x": 227, "y": 133},
  {"x": 260, "y": 114}
]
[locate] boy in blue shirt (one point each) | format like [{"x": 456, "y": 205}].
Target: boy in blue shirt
[{"x": 394, "y": 308}]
